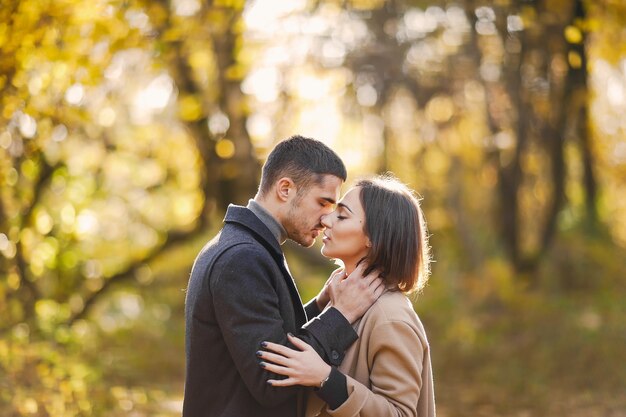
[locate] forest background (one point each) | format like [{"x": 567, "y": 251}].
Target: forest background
[{"x": 127, "y": 127}]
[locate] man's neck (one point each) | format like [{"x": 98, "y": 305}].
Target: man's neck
[{"x": 269, "y": 218}]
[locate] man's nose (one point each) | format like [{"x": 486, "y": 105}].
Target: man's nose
[{"x": 325, "y": 220}]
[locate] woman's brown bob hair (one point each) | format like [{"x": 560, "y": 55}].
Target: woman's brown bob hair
[{"x": 395, "y": 225}]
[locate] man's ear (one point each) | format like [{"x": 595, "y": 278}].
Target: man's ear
[{"x": 285, "y": 189}]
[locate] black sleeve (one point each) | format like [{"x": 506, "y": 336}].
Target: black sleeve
[
  {"x": 248, "y": 313},
  {"x": 333, "y": 334},
  {"x": 311, "y": 309},
  {"x": 335, "y": 390}
]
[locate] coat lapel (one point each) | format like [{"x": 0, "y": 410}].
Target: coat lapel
[{"x": 260, "y": 232}]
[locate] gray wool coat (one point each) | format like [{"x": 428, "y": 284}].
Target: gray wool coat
[{"x": 241, "y": 293}]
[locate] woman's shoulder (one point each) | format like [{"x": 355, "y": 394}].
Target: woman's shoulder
[
  {"x": 391, "y": 310},
  {"x": 393, "y": 306}
]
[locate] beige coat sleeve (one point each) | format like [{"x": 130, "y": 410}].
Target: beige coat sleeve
[{"x": 395, "y": 359}]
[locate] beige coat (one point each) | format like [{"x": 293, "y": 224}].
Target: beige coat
[{"x": 388, "y": 368}]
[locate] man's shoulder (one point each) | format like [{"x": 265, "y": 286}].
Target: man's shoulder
[
  {"x": 226, "y": 252},
  {"x": 232, "y": 240},
  {"x": 229, "y": 262}
]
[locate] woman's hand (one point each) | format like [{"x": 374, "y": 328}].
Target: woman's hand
[
  {"x": 323, "y": 298},
  {"x": 301, "y": 367},
  {"x": 354, "y": 295}
]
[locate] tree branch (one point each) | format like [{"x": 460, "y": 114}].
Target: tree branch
[{"x": 129, "y": 273}]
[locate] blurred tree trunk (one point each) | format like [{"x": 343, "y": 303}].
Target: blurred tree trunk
[
  {"x": 579, "y": 80},
  {"x": 240, "y": 175},
  {"x": 572, "y": 120},
  {"x": 545, "y": 128},
  {"x": 499, "y": 96},
  {"x": 232, "y": 180}
]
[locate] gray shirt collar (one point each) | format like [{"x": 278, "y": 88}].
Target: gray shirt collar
[{"x": 268, "y": 220}]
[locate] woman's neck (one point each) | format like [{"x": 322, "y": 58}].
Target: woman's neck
[{"x": 350, "y": 265}]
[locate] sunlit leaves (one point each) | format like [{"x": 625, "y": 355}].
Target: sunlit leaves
[
  {"x": 607, "y": 50},
  {"x": 51, "y": 313},
  {"x": 573, "y": 34},
  {"x": 43, "y": 379},
  {"x": 115, "y": 115},
  {"x": 190, "y": 108},
  {"x": 95, "y": 169},
  {"x": 225, "y": 148},
  {"x": 440, "y": 109},
  {"x": 366, "y": 4},
  {"x": 200, "y": 59}
]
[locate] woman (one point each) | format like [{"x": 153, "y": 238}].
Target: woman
[{"x": 387, "y": 371}]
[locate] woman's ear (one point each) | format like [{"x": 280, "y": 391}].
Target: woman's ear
[
  {"x": 285, "y": 189},
  {"x": 368, "y": 243}
]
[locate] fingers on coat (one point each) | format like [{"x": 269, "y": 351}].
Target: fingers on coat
[
  {"x": 280, "y": 349},
  {"x": 280, "y": 370},
  {"x": 282, "y": 382},
  {"x": 273, "y": 358},
  {"x": 297, "y": 342}
]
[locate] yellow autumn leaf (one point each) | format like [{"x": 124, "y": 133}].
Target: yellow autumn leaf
[
  {"x": 573, "y": 34},
  {"x": 189, "y": 108},
  {"x": 225, "y": 148},
  {"x": 47, "y": 309},
  {"x": 200, "y": 59}
]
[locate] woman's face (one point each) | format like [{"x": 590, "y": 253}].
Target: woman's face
[{"x": 344, "y": 237}]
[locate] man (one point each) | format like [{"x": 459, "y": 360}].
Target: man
[{"x": 241, "y": 292}]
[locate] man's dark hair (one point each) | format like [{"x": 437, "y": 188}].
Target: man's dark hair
[{"x": 304, "y": 160}]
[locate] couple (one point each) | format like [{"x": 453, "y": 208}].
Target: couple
[{"x": 358, "y": 348}]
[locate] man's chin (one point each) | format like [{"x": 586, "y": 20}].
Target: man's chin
[{"x": 306, "y": 241}]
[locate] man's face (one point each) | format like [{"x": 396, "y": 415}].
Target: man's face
[{"x": 303, "y": 220}]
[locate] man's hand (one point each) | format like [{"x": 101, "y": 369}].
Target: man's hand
[
  {"x": 323, "y": 298},
  {"x": 355, "y": 294}
]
